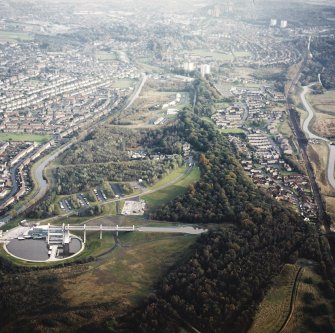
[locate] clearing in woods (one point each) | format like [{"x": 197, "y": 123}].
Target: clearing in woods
[
  {"x": 129, "y": 273},
  {"x": 163, "y": 196},
  {"x": 275, "y": 307},
  {"x": 313, "y": 309}
]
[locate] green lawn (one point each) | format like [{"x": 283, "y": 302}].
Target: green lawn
[
  {"x": 129, "y": 273},
  {"x": 109, "y": 209},
  {"x": 221, "y": 105},
  {"x": 169, "y": 178},
  {"x": 123, "y": 84},
  {"x": 94, "y": 245},
  {"x": 208, "y": 120},
  {"x": 232, "y": 131},
  {"x": 15, "y": 35},
  {"x": 24, "y": 137},
  {"x": 161, "y": 197},
  {"x": 275, "y": 306},
  {"x": 149, "y": 68},
  {"x": 215, "y": 55},
  {"x": 241, "y": 54},
  {"x": 10, "y": 225},
  {"x": 105, "y": 56}
]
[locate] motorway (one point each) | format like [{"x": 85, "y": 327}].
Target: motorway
[{"x": 311, "y": 113}]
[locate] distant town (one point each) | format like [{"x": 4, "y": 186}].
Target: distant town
[
  {"x": 167, "y": 166},
  {"x": 53, "y": 85}
]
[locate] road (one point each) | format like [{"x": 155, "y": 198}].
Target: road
[
  {"x": 39, "y": 171},
  {"x": 14, "y": 173},
  {"x": 128, "y": 197},
  {"x": 38, "y": 175},
  {"x": 13, "y": 233},
  {"x": 137, "y": 93},
  {"x": 132, "y": 196},
  {"x": 310, "y": 111},
  {"x": 15, "y": 185},
  {"x": 302, "y": 142},
  {"x": 323, "y": 216},
  {"x": 306, "y": 125}
]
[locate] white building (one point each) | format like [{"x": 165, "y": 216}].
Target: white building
[
  {"x": 273, "y": 22},
  {"x": 283, "y": 24},
  {"x": 189, "y": 66},
  {"x": 205, "y": 69}
]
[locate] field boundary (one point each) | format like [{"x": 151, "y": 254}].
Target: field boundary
[{"x": 293, "y": 298}]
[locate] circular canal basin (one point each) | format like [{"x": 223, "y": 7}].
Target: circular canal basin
[{"x": 37, "y": 249}]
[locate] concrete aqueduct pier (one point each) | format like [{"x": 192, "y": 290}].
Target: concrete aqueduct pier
[{"x": 53, "y": 243}]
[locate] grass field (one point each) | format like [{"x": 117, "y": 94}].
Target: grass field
[
  {"x": 106, "y": 56},
  {"x": 220, "y": 56},
  {"x": 129, "y": 273},
  {"x": 313, "y": 311},
  {"x": 24, "y": 137},
  {"x": 118, "y": 281},
  {"x": 208, "y": 120},
  {"x": 318, "y": 155},
  {"x": 242, "y": 72},
  {"x": 221, "y": 105},
  {"x": 285, "y": 129},
  {"x": 163, "y": 196},
  {"x": 123, "y": 83},
  {"x": 323, "y": 102},
  {"x": 312, "y": 308},
  {"x": 302, "y": 113},
  {"x": 215, "y": 55},
  {"x": 232, "y": 131},
  {"x": 330, "y": 207},
  {"x": 274, "y": 309},
  {"x": 169, "y": 178},
  {"x": 241, "y": 54},
  {"x": 109, "y": 209},
  {"x": 95, "y": 246},
  {"x": 12, "y": 35},
  {"x": 146, "y": 66}
]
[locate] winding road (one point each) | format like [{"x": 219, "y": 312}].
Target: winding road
[
  {"x": 137, "y": 93},
  {"x": 306, "y": 125},
  {"x": 38, "y": 172},
  {"x": 15, "y": 186}
]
